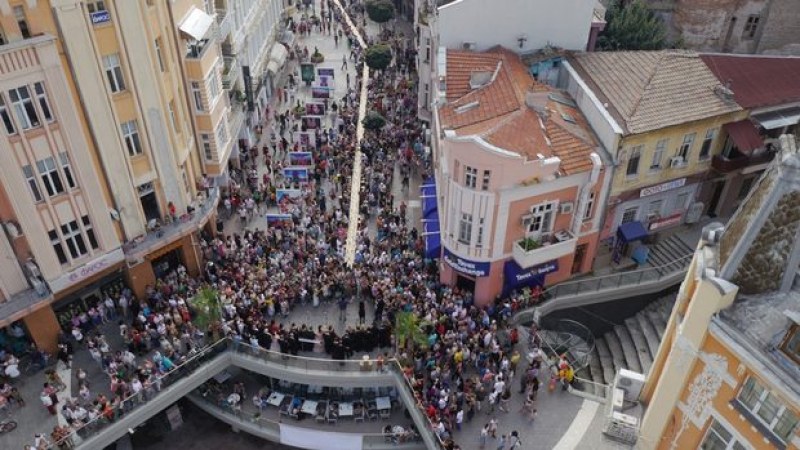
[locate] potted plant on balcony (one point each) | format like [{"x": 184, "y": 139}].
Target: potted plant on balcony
[
  {"x": 317, "y": 57},
  {"x": 528, "y": 244}
]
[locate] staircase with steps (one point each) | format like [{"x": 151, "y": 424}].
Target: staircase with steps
[
  {"x": 669, "y": 254},
  {"x": 632, "y": 345}
]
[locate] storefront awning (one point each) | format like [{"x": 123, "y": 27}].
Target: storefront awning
[
  {"x": 196, "y": 23},
  {"x": 432, "y": 237},
  {"x": 778, "y": 119},
  {"x": 278, "y": 54},
  {"x": 631, "y": 232},
  {"x": 744, "y": 135},
  {"x": 515, "y": 277},
  {"x": 428, "y": 197}
]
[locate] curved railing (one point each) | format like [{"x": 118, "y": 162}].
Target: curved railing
[
  {"x": 356, "y": 370},
  {"x": 601, "y": 284},
  {"x": 569, "y": 338}
]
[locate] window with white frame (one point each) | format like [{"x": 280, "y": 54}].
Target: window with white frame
[
  {"x": 9, "y": 125},
  {"x": 479, "y": 240},
  {"x": 222, "y": 133},
  {"x": 27, "y": 170},
  {"x": 768, "y": 408},
  {"x": 87, "y": 226},
  {"x": 470, "y": 177},
  {"x": 197, "y": 95},
  {"x": 589, "y": 207},
  {"x": 72, "y": 236},
  {"x": 751, "y": 27},
  {"x": 630, "y": 214},
  {"x": 114, "y": 72},
  {"x": 465, "y": 228},
  {"x": 705, "y": 149},
  {"x": 654, "y": 209},
  {"x": 213, "y": 86},
  {"x": 23, "y": 107},
  {"x": 658, "y": 155},
  {"x": 719, "y": 438},
  {"x": 686, "y": 146},
  {"x": 130, "y": 133},
  {"x": 41, "y": 96},
  {"x": 66, "y": 167},
  {"x": 635, "y": 157},
  {"x": 205, "y": 140},
  {"x": 95, "y": 6},
  {"x": 48, "y": 173},
  {"x": 58, "y": 247},
  {"x": 542, "y": 217}
]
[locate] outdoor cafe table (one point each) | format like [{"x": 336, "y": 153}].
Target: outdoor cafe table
[
  {"x": 275, "y": 399},
  {"x": 383, "y": 403},
  {"x": 309, "y": 407},
  {"x": 345, "y": 409}
]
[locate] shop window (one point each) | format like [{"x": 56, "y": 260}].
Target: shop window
[
  {"x": 48, "y": 173},
  {"x": 630, "y": 214},
  {"x": 23, "y": 107},
  {"x": 680, "y": 202},
  {"x": 27, "y": 170},
  {"x": 791, "y": 344},
  {"x": 465, "y": 229},
  {"x": 632, "y": 169},
  {"x": 705, "y": 150},
  {"x": 57, "y": 246},
  {"x": 9, "y": 125},
  {"x": 87, "y": 226},
  {"x": 768, "y": 409},
  {"x": 719, "y": 438},
  {"x": 470, "y": 177}
]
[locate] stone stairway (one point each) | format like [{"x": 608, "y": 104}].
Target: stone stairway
[
  {"x": 669, "y": 254},
  {"x": 632, "y": 345}
]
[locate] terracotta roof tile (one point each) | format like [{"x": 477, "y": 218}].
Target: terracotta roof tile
[
  {"x": 498, "y": 111},
  {"x": 758, "y": 81}
]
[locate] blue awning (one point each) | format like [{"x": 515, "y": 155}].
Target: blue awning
[
  {"x": 631, "y": 231},
  {"x": 515, "y": 277},
  {"x": 431, "y": 235}
]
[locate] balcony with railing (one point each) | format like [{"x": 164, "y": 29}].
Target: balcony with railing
[
  {"x": 160, "y": 234},
  {"x": 736, "y": 160},
  {"x": 230, "y": 72},
  {"x": 529, "y": 252},
  {"x": 224, "y": 21}
]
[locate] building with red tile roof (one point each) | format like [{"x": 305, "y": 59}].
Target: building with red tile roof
[{"x": 518, "y": 172}]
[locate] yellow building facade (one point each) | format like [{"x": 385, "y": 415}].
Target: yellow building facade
[
  {"x": 116, "y": 128},
  {"x": 727, "y": 372}
]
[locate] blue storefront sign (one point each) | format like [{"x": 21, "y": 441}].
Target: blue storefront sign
[
  {"x": 100, "y": 17},
  {"x": 515, "y": 277},
  {"x": 477, "y": 269}
]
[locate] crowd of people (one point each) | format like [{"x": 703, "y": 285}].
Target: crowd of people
[{"x": 468, "y": 361}]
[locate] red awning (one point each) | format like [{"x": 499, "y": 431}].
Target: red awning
[{"x": 744, "y": 135}]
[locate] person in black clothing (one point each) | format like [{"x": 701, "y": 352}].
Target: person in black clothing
[{"x": 362, "y": 312}]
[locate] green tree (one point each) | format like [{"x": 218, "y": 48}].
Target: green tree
[
  {"x": 207, "y": 309},
  {"x": 408, "y": 330},
  {"x": 373, "y": 121},
  {"x": 378, "y": 56},
  {"x": 380, "y": 11},
  {"x": 632, "y": 26}
]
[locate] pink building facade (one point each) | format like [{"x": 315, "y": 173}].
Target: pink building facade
[{"x": 519, "y": 178}]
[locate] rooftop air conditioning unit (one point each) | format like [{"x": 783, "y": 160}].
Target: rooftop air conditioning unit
[
  {"x": 630, "y": 382},
  {"x": 469, "y": 45},
  {"x": 566, "y": 208},
  {"x": 676, "y": 162}
]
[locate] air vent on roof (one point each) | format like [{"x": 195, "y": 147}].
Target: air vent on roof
[
  {"x": 469, "y": 45},
  {"x": 567, "y": 117},
  {"x": 466, "y": 107},
  {"x": 563, "y": 100}
]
